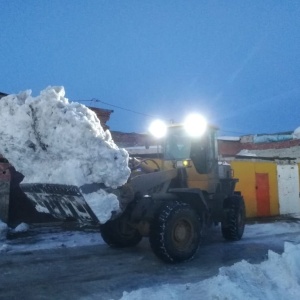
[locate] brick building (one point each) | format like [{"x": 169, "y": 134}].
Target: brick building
[{"x": 103, "y": 115}]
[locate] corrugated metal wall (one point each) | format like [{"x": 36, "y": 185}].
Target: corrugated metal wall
[
  {"x": 288, "y": 189},
  {"x": 259, "y": 186}
]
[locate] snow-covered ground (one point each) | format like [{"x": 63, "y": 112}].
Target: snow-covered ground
[
  {"x": 276, "y": 278},
  {"x": 37, "y": 237}
]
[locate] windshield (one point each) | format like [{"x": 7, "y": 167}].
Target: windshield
[
  {"x": 177, "y": 144},
  {"x": 180, "y": 146}
]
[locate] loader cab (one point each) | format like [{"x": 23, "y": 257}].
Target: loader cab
[
  {"x": 200, "y": 150},
  {"x": 195, "y": 151}
]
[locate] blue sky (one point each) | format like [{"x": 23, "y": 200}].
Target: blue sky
[{"x": 237, "y": 62}]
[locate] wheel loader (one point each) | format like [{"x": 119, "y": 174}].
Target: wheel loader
[{"x": 171, "y": 197}]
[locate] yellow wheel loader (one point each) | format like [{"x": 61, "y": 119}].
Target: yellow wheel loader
[{"x": 172, "y": 198}]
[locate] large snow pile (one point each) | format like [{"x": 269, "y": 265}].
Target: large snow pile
[
  {"x": 50, "y": 140},
  {"x": 274, "y": 279}
]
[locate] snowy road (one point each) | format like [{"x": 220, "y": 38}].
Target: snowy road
[{"x": 77, "y": 265}]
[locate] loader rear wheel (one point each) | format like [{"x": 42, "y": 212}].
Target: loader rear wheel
[
  {"x": 118, "y": 234},
  {"x": 233, "y": 224},
  {"x": 175, "y": 232}
]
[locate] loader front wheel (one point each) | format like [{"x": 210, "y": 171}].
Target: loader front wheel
[
  {"x": 118, "y": 234},
  {"x": 175, "y": 232},
  {"x": 234, "y": 221}
]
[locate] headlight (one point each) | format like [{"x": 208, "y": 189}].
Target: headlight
[
  {"x": 195, "y": 125},
  {"x": 158, "y": 129},
  {"x": 183, "y": 163}
]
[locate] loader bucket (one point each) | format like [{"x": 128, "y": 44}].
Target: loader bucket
[{"x": 61, "y": 201}]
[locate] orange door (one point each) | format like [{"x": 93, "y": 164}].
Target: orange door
[{"x": 262, "y": 194}]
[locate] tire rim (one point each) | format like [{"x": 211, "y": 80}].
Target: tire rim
[{"x": 182, "y": 234}]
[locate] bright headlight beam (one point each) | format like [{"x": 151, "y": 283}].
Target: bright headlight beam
[
  {"x": 158, "y": 129},
  {"x": 195, "y": 125}
]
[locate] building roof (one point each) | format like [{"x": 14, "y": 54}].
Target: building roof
[{"x": 103, "y": 115}]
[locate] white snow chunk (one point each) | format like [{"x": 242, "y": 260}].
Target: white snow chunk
[
  {"x": 4, "y": 248},
  {"x": 41, "y": 209},
  {"x": 102, "y": 204},
  {"x": 23, "y": 227}
]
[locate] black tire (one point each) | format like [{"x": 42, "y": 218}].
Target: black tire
[
  {"x": 234, "y": 221},
  {"x": 118, "y": 234},
  {"x": 175, "y": 232}
]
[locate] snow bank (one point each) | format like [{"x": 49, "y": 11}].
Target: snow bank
[
  {"x": 229, "y": 138},
  {"x": 50, "y": 140},
  {"x": 246, "y": 152},
  {"x": 274, "y": 279}
]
